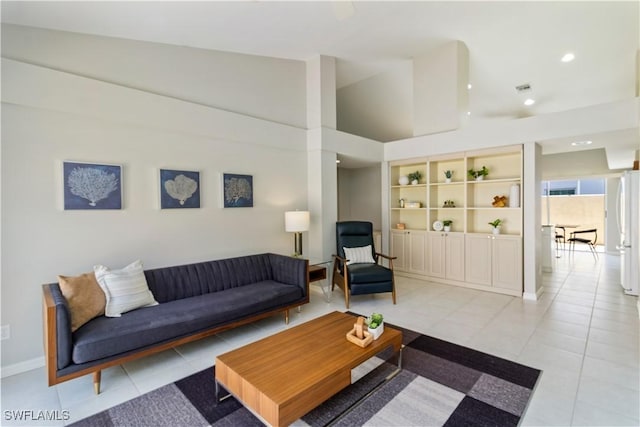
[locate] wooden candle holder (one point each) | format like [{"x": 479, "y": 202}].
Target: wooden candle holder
[{"x": 359, "y": 335}]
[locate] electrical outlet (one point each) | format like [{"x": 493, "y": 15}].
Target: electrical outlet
[{"x": 5, "y": 332}]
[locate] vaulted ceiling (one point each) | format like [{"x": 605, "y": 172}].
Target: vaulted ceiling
[{"x": 510, "y": 43}]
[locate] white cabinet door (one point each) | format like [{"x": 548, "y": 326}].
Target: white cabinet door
[
  {"x": 446, "y": 255},
  {"x": 454, "y": 256},
  {"x": 436, "y": 255},
  {"x": 494, "y": 261},
  {"x": 398, "y": 249},
  {"x": 417, "y": 242},
  {"x": 507, "y": 262},
  {"x": 478, "y": 259}
]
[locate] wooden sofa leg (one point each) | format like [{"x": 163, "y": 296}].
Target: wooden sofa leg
[
  {"x": 286, "y": 317},
  {"x": 96, "y": 381}
]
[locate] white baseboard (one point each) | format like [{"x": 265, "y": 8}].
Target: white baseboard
[
  {"x": 533, "y": 296},
  {"x": 18, "y": 368}
]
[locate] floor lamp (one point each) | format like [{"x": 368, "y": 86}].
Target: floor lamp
[{"x": 296, "y": 222}]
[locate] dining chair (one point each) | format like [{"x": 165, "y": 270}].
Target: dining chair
[
  {"x": 588, "y": 237},
  {"x": 561, "y": 237}
]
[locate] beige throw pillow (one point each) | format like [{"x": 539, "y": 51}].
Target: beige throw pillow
[{"x": 84, "y": 296}]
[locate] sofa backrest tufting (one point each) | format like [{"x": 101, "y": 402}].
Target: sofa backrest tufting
[{"x": 184, "y": 281}]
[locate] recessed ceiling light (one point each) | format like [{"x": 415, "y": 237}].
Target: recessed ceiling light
[
  {"x": 528, "y": 102},
  {"x": 568, "y": 57},
  {"x": 469, "y": 86},
  {"x": 468, "y": 113},
  {"x": 579, "y": 143},
  {"x": 337, "y": 160}
]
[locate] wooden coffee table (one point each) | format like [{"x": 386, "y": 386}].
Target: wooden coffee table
[{"x": 282, "y": 377}]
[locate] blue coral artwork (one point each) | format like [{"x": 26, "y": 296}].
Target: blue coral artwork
[
  {"x": 237, "y": 190},
  {"x": 179, "y": 189},
  {"x": 90, "y": 186}
]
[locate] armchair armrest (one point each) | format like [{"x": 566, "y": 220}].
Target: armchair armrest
[
  {"x": 387, "y": 257},
  {"x": 338, "y": 263},
  {"x": 345, "y": 260}
]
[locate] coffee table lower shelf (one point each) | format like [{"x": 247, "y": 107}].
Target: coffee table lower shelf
[{"x": 282, "y": 377}]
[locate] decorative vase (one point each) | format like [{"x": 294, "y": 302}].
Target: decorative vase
[
  {"x": 404, "y": 180},
  {"x": 414, "y": 182},
  {"x": 479, "y": 177},
  {"x": 447, "y": 180},
  {"x": 496, "y": 230},
  {"x": 514, "y": 196},
  {"x": 447, "y": 228},
  {"x": 377, "y": 331}
]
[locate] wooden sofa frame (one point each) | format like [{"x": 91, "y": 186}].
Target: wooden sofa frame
[{"x": 51, "y": 351}]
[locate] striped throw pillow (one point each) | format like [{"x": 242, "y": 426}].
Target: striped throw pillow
[
  {"x": 361, "y": 255},
  {"x": 125, "y": 289}
]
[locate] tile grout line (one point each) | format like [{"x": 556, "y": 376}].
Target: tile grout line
[{"x": 586, "y": 343}]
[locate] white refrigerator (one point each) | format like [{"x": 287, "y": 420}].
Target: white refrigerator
[{"x": 629, "y": 228}]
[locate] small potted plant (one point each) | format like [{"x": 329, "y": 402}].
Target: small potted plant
[
  {"x": 496, "y": 225},
  {"x": 448, "y": 174},
  {"x": 478, "y": 174},
  {"x": 447, "y": 225},
  {"x": 414, "y": 177},
  {"x": 375, "y": 324}
]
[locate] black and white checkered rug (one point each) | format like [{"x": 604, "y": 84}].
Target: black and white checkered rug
[{"x": 441, "y": 384}]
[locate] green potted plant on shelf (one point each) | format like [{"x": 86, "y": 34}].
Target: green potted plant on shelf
[
  {"x": 448, "y": 174},
  {"x": 478, "y": 174},
  {"x": 414, "y": 177},
  {"x": 375, "y": 324},
  {"x": 447, "y": 225},
  {"x": 496, "y": 223}
]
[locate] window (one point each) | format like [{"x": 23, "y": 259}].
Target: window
[{"x": 573, "y": 187}]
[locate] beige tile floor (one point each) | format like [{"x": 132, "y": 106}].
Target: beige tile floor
[{"x": 583, "y": 333}]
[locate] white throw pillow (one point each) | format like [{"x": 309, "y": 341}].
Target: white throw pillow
[
  {"x": 361, "y": 255},
  {"x": 125, "y": 289}
]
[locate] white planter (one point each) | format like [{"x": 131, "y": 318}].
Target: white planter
[
  {"x": 404, "y": 180},
  {"x": 447, "y": 180},
  {"x": 447, "y": 228},
  {"x": 480, "y": 178},
  {"x": 496, "y": 230},
  {"x": 414, "y": 182},
  {"x": 377, "y": 331}
]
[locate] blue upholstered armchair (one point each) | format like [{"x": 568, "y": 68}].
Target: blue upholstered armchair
[{"x": 356, "y": 267}]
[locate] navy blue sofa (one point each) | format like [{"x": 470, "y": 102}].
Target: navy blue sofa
[{"x": 195, "y": 301}]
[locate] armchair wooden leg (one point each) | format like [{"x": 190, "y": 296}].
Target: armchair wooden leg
[
  {"x": 96, "y": 381},
  {"x": 286, "y": 317},
  {"x": 393, "y": 291},
  {"x": 346, "y": 297}
]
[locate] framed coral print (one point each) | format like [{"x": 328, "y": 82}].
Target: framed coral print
[
  {"x": 179, "y": 189},
  {"x": 92, "y": 186},
  {"x": 237, "y": 190}
]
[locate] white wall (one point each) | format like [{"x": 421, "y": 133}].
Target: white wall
[
  {"x": 360, "y": 195},
  {"x": 268, "y": 88},
  {"x": 53, "y": 115},
  {"x": 379, "y": 107},
  {"x": 575, "y": 165}
]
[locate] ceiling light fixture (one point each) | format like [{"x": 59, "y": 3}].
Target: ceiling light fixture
[
  {"x": 338, "y": 161},
  {"x": 580, "y": 143},
  {"x": 568, "y": 57},
  {"x": 529, "y": 101},
  {"x": 469, "y": 86}
]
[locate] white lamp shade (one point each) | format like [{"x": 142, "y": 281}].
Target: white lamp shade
[{"x": 296, "y": 221}]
